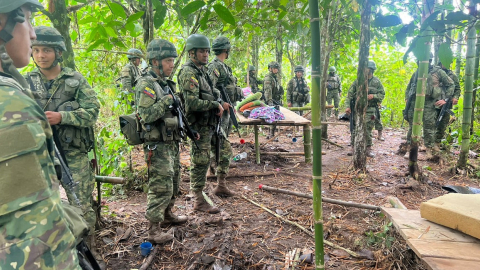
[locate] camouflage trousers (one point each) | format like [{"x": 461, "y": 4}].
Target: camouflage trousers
[
  {"x": 335, "y": 97},
  {"x": 378, "y": 124},
  {"x": 37, "y": 237},
  {"x": 430, "y": 114},
  {"x": 163, "y": 159},
  {"x": 201, "y": 157},
  {"x": 82, "y": 172},
  {"x": 298, "y": 104},
  {"x": 370, "y": 123},
  {"x": 226, "y": 153},
  {"x": 441, "y": 128}
]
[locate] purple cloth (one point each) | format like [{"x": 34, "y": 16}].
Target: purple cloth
[{"x": 269, "y": 114}]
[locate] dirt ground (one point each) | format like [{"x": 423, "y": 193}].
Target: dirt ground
[{"x": 245, "y": 236}]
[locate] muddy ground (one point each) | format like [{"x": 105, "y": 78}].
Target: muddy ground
[{"x": 245, "y": 236}]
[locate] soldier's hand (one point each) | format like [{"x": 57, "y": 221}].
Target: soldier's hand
[
  {"x": 54, "y": 118},
  {"x": 440, "y": 103},
  {"x": 226, "y": 106},
  {"x": 348, "y": 111},
  {"x": 454, "y": 101},
  {"x": 369, "y": 97},
  {"x": 220, "y": 110},
  {"x": 196, "y": 135},
  {"x": 289, "y": 104}
]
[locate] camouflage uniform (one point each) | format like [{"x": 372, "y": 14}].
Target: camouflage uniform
[
  {"x": 439, "y": 86},
  {"x": 442, "y": 126},
  {"x": 272, "y": 90},
  {"x": 253, "y": 80},
  {"x": 334, "y": 90},
  {"x": 129, "y": 73},
  {"x": 298, "y": 92}
]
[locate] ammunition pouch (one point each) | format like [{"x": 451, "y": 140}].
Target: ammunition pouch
[
  {"x": 131, "y": 129},
  {"x": 76, "y": 137}
]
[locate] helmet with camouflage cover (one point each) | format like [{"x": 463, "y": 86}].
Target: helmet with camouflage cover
[
  {"x": 197, "y": 41},
  {"x": 221, "y": 43},
  {"x": 273, "y": 64},
  {"x": 134, "y": 53},
  {"x": 251, "y": 68},
  {"x": 371, "y": 65},
  {"x": 160, "y": 49},
  {"x": 50, "y": 37},
  {"x": 332, "y": 69},
  {"x": 299, "y": 69}
]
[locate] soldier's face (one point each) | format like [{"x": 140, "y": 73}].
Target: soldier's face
[
  {"x": 274, "y": 70},
  {"x": 43, "y": 56},
  {"x": 137, "y": 61},
  {"x": 167, "y": 65},
  {"x": 18, "y": 48},
  {"x": 299, "y": 74},
  {"x": 201, "y": 56}
]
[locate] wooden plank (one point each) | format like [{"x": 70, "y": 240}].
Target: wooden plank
[
  {"x": 449, "y": 264},
  {"x": 445, "y": 249},
  {"x": 291, "y": 119}
]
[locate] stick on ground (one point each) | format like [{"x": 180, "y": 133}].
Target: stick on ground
[{"x": 150, "y": 258}]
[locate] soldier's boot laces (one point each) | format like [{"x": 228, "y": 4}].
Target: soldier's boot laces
[
  {"x": 380, "y": 136},
  {"x": 155, "y": 234},
  {"x": 202, "y": 205},
  {"x": 170, "y": 218},
  {"x": 221, "y": 189},
  {"x": 93, "y": 249},
  {"x": 369, "y": 152}
]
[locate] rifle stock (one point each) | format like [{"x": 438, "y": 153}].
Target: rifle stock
[{"x": 226, "y": 98}]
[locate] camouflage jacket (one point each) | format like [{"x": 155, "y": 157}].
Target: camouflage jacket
[
  {"x": 129, "y": 75},
  {"x": 201, "y": 99},
  {"x": 272, "y": 90},
  {"x": 457, "y": 90},
  {"x": 375, "y": 88},
  {"x": 30, "y": 208},
  {"x": 70, "y": 95},
  {"x": 221, "y": 75},
  {"x": 334, "y": 83},
  {"x": 439, "y": 85},
  {"x": 298, "y": 91},
  {"x": 254, "y": 82}
]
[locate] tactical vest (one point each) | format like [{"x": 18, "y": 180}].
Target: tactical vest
[
  {"x": 276, "y": 91},
  {"x": 333, "y": 81},
  {"x": 63, "y": 98},
  {"x": 166, "y": 128},
  {"x": 135, "y": 74},
  {"x": 373, "y": 89},
  {"x": 434, "y": 87},
  {"x": 206, "y": 93},
  {"x": 227, "y": 79},
  {"x": 300, "y": 90}
]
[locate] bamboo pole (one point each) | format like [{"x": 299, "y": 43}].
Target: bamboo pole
[
  {"x": 110, "y": 179},
  {"x": 307, "y": 108},
  {"x": 327, "y": 200},
  {"x": 307, "y": 143}
]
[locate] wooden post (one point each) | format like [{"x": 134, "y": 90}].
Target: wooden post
[
  {"x": 257, "y": 145},
  {"x": 307, "y": 143}
]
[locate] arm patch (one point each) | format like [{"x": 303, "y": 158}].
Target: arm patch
[{"x": 149, "y": 92}]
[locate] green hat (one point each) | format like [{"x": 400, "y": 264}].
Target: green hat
[
  {"x": 332, "y": 69},
  {"x": 221, "y": 43},
  {"x": 299, "y": 68},
  {"x": 134, "y": 53},
  {"x": 161, "y": 49},
  {"x": 49, "y": 36},
  {"x": 250, "y": 68},
  {"x": 7, "y": 6},
  {"x": 197, "y": 41},
  {"x": 371, "y": 65},
  {"x": 273, "y": 64}
]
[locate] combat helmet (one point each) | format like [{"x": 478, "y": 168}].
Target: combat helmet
[
  {"x": 371, "y": 65},
  {"x": 251, "y": 68},
  {"x": 332, "y": 69},
  {"x": 273, "y": 64},
  {"x": 221, "y": 43},
  {"x": 197, "y": 41},
  {"x": 134, "y": 53},
  {"x": 299, "y": 68},
  {"x": 161, "y": 49},
  {"x": 7, "y": 6},
  {"x": 50, "y": 37}
]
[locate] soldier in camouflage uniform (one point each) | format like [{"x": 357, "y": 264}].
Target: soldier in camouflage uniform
[
  {"x": 272, "y": 90},
  {"x": 222, "y": 77},
  {"x": 379, "y": 125},
  {"x": 203, "y": 107},
  {"x": 375, "y": 96},
  {"x": 252, "y": 80},
  {"x": 34, "y": 233},
  {"x": 72, "y": 107},
  {"x": 439, "y": 88},
  {"x": 131, "y": 72},
  {"x": 162, "y": 137},
  {"x": 298, "y": 91},
  {"x": 442, "y": 126},
  {"x": 334, "y": 90}
]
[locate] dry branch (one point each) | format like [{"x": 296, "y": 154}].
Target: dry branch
[{"x": 150, "y": 258}]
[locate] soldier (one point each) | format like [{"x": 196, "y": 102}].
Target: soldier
[
  {"x": 222, "y": 77},
  {"x": 162, "y": 137},
  {"x": 375, "y": 96},
  {"x": 439, "y": 88},
  {"x": 442, "y": 126},
  {"x": 252, "y": 80},
  {"x": 204, "y": 107},
  {"x": 298, "y": 91},
  {"x": 272, "y": 90},
  {"x": 34, "y": 232},
  {"x": 334, "y": 90},
  {"x": 71, "y": 106},
  {"x": 379, "y": 124},
  {"x": 131, "y": 72}
]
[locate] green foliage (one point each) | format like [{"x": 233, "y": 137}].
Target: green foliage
[
  {"x": 445, "y": 54},
  {"x": 381, "y": 239}
]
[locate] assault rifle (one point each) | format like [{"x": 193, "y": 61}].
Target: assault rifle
[
  {"x": 184, "y": 129},
  {"x": 411, "y": 93},
  {"x": 218, "y": 139},
  {"x": 446, "y": 108},
  {"x": 226, "y": 98}
]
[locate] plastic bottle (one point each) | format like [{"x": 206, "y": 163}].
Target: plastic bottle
[{"x": 240, "y": 156}]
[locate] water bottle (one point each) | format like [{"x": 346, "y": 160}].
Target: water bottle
[{"x": 240, "y": 156}]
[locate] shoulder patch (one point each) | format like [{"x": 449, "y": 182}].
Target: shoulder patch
[
  {"x": 149, "y": 92},
  {"x": 194, "y": 81},
  {"x": 216, "y": 72}
]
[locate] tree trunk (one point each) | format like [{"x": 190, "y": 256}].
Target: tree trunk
[
  {"x": 317, "y": 136},
  {"x": 255, "y": 52},
  {"x": 475, "y": 83},
  {"x": 467, "y": 99},
  {"x": 425, "y": 42},
  {"x": 279, "y": 50},
  {"x": 359, "y": 155},
  {"x": 148, "y": 28},
  {"x": 458, "y": 61},
  {"x": 60, "y": 19}
]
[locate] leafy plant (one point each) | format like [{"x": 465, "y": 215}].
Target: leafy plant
[{"x": 382, "y": 238}]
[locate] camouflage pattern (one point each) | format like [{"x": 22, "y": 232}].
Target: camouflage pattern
[
  {"x": 49, "y": 36},
  {"x": 161, "y": 49},
  {"x": 272, "y": 90},
  {"x": 378, "y": 122},
  {"x": 221, "y": 43},
  {"x": 34, "y": 233},
  {"x": 201, "y": 105},
  {"x": 197, "y": 41},
  {"x": 439, "y": 86},
  {"x": 78, "y": 119},
  {"x": 376, "y": 89},
  {"x": 333, "y": 92},
  {"x": 134, "y": 53},
  {"x": 130, "y": 73},
  {"x": 298, "y": 93},
  {"x": 253, "y": 81},
  {"x": 442, "y": 126}
]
